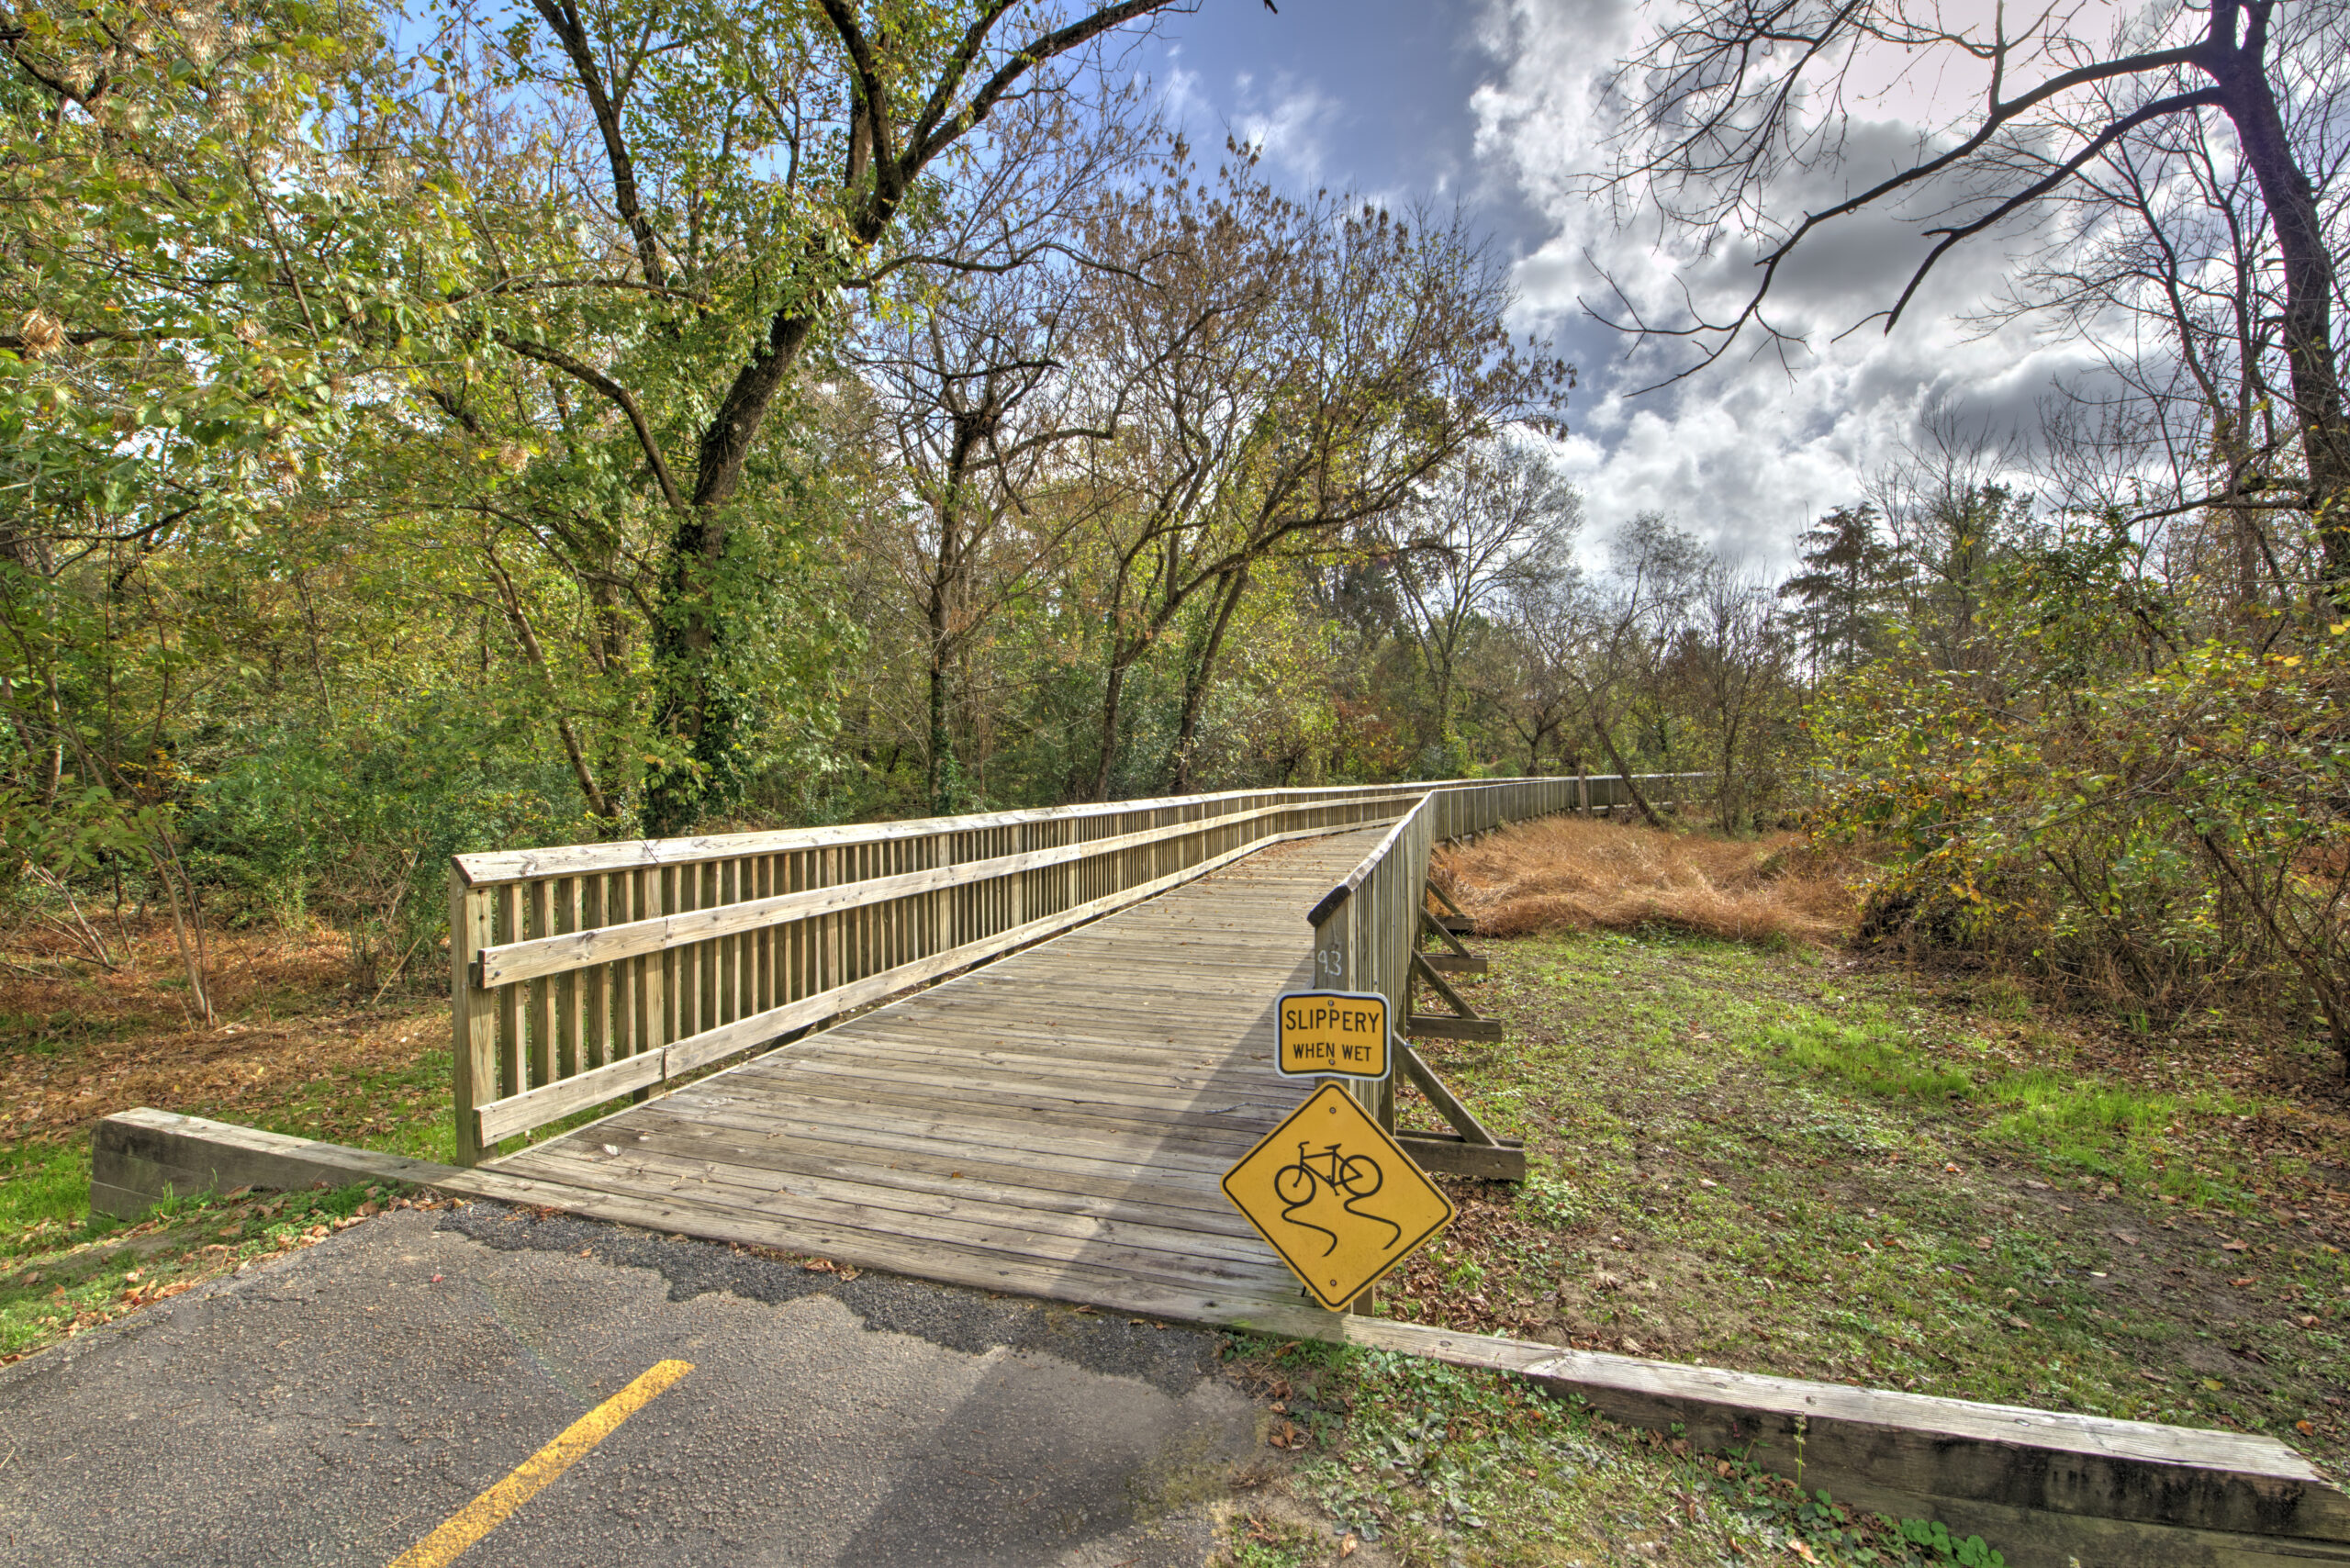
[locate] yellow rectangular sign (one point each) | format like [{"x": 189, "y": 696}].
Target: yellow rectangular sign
[
  {"x": 1333, "y": 1034},
  {"x": 1337, "y": 1197}
]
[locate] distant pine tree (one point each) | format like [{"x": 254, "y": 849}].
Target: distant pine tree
[{"x": 1839, "y": 597}]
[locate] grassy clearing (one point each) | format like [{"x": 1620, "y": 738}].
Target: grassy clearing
[
  {"x": 1787, "y": 1161},
  {"x": 1399, "y": 1461}
]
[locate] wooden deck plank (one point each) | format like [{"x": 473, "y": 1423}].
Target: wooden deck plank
[
  {"x": 1213, "y": 1127},
  {"x": 974, "y": 1080},
  {"x": 1009, "y": 1139},
  {"x": 971, "y": 1210},
  {"x": 1096, "y": 1190},
  {"x": 1055, "y": 1123},
  {"x": 930, "y": 1166},
  {"x": 1101, "y": 1249}
]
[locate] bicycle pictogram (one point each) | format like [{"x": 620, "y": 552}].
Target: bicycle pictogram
[{"x": 1353, "y": 1177}]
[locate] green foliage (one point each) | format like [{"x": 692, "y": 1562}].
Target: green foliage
[
  {"x": 1878, "y": 1058},
  {"x": 2148, "y": 819}
]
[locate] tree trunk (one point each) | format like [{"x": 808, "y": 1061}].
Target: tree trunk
[
  {"x": 1631, "y": 787},
  {"x": 701, "y": 709},
  {"x": 1195, "y": 684},
  {"x": 1112, "y": 695},
  {"x": 942, "y": 771},
  {"x": 2307, "y": 321}
]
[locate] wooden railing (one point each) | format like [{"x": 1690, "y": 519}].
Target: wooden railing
[
  {"x": 1367, "y": 928},
  {"x": 586, "y": 972}
]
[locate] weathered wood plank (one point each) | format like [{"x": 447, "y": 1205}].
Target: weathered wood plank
[
  {"x": 915, "y": 1210},
  {"x": 1173, "y": 1261},
  {"x": 929, "y": 1159},
  {"x": 472, "y": 1016},
  {"x": 535, "y": 1107},
  {"x": 1436, "y": 1027},
  {"x": 1010, "y": 1139},
  {"x": 1449, "y": 1154}
]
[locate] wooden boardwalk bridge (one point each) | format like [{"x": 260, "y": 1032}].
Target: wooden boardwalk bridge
[
  {"x": 1053, "y": 1123},
  {"x": 1019, "y": 1052}
]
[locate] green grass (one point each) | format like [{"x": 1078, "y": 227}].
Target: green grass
[
  {"x": 44, "y": 1189},
  {"x": 2117, "y": 1131},
  {"x": 1877, "y": 1057},
  {"x": 1442, "y": 1464},
  {"x": 1787, "y": 1164},
  {"x": 66, "y": 1277}
]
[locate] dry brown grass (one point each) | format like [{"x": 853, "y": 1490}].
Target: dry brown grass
[
  {"x": 1565, "y": 873},
  {"x": 78, "y": 1043}
]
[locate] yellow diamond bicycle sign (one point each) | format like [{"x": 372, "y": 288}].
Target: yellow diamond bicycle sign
[{"x": 1337, "y": 1197}]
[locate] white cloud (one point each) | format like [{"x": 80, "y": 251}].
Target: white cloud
[
  {"x": 1742, "y": 452},
  {"x": 1290, "y": 124}
]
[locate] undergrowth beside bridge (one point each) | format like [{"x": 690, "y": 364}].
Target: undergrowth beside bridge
[{"x": 1794, "y": 1161}]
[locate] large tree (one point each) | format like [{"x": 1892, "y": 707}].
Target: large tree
[
  {"x": 754, "y": 166},
  {"x": 1731, "y": 100},
  {"x": 1292, "y": 373},
  {"x": 1498, "y": 520}
]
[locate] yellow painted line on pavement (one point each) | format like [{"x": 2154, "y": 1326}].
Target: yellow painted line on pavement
[{"x": 487, "y": 1512}]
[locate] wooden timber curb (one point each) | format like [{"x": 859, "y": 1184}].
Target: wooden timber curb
[
  {"x": 2048, "y": 1488},
  {"x": 2043, "y": 1486},
  {"x": 140, "y": 1157}
]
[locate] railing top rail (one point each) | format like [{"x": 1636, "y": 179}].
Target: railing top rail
[
  {"x": 563, "y": 860},
  {"x": 1327, "y": 904},
  {"x": 491, "y": 867}
]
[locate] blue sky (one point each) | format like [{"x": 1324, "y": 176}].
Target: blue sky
[{"x": 1490, "y": 102}]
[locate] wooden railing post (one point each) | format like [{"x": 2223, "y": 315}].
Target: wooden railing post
[{"x": 472, "y": 1021}]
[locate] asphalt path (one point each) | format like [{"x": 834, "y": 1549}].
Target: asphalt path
[{"x": 338, "y": 1406}]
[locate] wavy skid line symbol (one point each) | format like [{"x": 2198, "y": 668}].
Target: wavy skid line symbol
[{"x": 1354, "y": 1176}]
